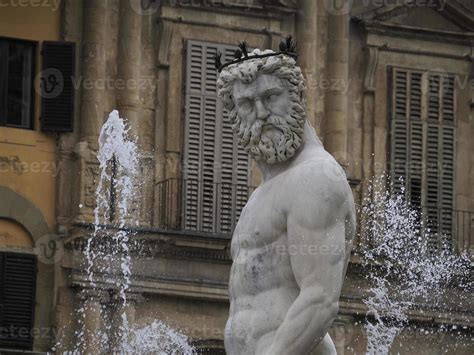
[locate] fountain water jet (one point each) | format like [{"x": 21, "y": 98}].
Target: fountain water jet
[
  {"x": 404, "y": 272},
  {"x": 107, "y": 253}
]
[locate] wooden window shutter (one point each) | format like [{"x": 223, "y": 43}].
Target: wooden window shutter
[
  {"x": 17, "y": 299},
  {"x": 399, "y": 130},
  {"x": 57, "y": 86},
  {"x": 423, "y": 147},
  {"x": 233, "y": 180},
  {"x": 447, "y": 156},
  {"x": 210, "y": 199},
  {"x": 415, "y": 171},
  {"x": 432, "y": 183}
]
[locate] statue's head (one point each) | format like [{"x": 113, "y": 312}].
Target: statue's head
[{"x": 265, "y": 100}]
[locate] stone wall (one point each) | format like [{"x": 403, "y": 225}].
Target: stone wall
[{"x": 181, "y": 278}]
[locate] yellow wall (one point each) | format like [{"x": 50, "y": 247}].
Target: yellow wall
[
  {"x": 29, "y": 22},
  {"x": 14, "y": 235},
  {"x": 27, "y": 157}
]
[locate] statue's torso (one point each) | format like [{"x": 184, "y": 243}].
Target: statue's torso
[{"x": 262, "y": 286}]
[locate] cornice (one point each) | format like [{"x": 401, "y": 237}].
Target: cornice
[
  {"x": 154, "y": 243},
  {"x": 195, "y": 289},
  {"x": 452, "y": 11},
  {"x": 402, "y": 31},
  {"x": 247, "y": 10}
]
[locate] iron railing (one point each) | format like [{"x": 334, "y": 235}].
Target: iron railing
[
  {"x": 201, "y": 207},
  {"x": 206, "y": 207},
  {"x": 463, "y": 226},
  {"x": 446, "y": 228}
]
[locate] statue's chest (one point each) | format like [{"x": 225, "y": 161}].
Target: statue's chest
[{"x": 262, "y": 222}]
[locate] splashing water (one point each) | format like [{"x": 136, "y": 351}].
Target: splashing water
[
  {"x": 403, "y": 271},
  {"x": 107, "y": 253}
]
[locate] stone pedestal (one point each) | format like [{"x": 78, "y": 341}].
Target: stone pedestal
[
  {"x": 93, "y": 320},
  {"x": 123, "y": 316}
]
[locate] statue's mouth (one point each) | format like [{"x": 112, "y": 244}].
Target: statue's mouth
[{"x": 270, "y": 127}]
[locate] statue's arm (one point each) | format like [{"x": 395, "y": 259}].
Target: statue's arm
[{"x": 316, "y": 231}]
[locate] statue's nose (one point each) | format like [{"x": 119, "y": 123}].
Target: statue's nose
[{"x": 262, "y": 112}]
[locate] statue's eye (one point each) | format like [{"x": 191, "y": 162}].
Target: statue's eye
[
  {"x": 245, "y": 104},
  {"x": 271, "y": 98}
]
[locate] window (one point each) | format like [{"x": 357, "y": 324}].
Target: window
[
  {"x": 17, "y": 300},
  {"x": 17, "y": 70},
  {"x": 215, "y": 170},
  {"x": 423, "y": 147}
]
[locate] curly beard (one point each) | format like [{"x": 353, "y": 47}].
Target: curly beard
[{"x": 273, "y": 140}]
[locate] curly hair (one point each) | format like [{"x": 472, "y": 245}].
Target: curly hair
[
  {"x": 291, "y": 126},
  {"x": 282, "y": 66}
]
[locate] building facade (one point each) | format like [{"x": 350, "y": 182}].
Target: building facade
[
  {"x": 28, "y": 176},
  {"x": 389, "y": 90}
]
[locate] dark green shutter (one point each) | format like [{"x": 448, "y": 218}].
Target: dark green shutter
[
  {"x": 17, "y": 300},
  {"x": 57, "y": 86},
  {"x": 447, "y": 152},
  {"x": 213, "y": 163},
  {"x": 423, "y": 147}
]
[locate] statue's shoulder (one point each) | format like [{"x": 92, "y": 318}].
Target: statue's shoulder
[{"x": 319, "y": 174}]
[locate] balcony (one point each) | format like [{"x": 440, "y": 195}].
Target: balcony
[
  {"x": 463, "y": 230},
  {"x": 200, "y": 207},
  {"x": 212, "y": 209}
]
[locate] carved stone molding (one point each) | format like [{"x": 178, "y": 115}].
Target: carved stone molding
[
  {"x": 372, "y": 61},
  {"x": 262, "y": 9},
  {"x": 471, "y": 76},
  {"x": 91, "y": 294},
  {"x": 197, "y": 289},
  {"x": 157, "y": 246},
  {"x": 165, "y": 32},
  {"x": 131, "y": 297},
  {"x": 91, "y": 176}
]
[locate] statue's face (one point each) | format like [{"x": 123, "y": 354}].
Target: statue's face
[
  {"x": 261, "y": 98},
  {"x": 268, "y": 129}
]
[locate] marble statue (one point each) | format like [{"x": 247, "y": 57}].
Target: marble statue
[{"x": 292, "y": 243}]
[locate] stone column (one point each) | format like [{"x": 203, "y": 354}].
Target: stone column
[
  {"x": 94, "y": 69},
  {"x": 311, "y": 35},
  {"x": 93, "y": 108},
  {"x": 71, "y": 28},
  {"x": 306, "y": 35},
  {"x": 335, "y": 127},
  {"x": 129, "y": 54},
  {"x": 368, "y": 135},
  {"x": 93, "y": 329},
  {"x": 148, "y": 88},
  {"x": 164, "y": 35}
]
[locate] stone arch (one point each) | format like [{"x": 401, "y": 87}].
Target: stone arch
[{"x": 15, "y": 207}]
